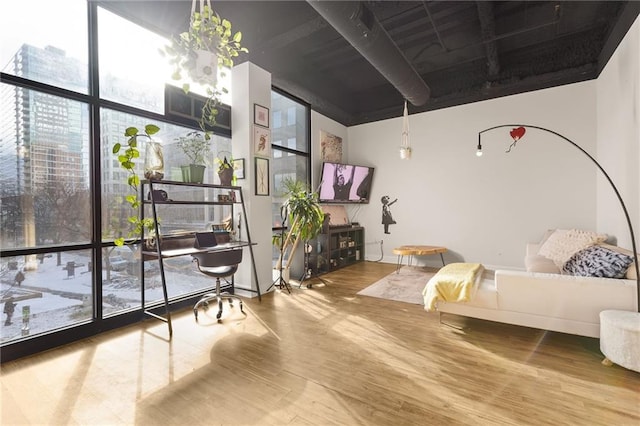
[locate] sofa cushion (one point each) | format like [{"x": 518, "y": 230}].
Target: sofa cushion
[
  {"x": 631, "y": 271},
  {"x": 563, "y": 243},
  {"x": 546, "y": 235},
  {"x": 537, "y": 263},
  {"x": 598, "y": 261}
]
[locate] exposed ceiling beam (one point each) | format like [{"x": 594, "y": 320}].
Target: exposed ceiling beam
[
  {"x": 488, "y": 29},
  {"x": 361, "y": 28},
  {"x": 304, "y": 30}
]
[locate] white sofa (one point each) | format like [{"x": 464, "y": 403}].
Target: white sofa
[{"x": 545, "y": 300}]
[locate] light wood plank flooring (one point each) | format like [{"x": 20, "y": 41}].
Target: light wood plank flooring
[{"x": 322, "y": 356}]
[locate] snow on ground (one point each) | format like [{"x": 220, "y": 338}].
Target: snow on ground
[{"x": 56, "y": 299}]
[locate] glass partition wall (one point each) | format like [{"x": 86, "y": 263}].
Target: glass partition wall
[{"x": 61, "y": 187}]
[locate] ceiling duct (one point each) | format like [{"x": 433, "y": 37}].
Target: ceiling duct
[{"x": 359, "y": 26}]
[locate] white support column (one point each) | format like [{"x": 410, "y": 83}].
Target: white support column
[{"x": 251, "y": 85}]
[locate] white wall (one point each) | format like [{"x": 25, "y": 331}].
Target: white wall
[
  {"x": 486, "y": 209},
  {"x": 618, "y": 95},
  {"x": 482, "y": 209}
]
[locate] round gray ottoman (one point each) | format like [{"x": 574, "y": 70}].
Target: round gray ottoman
[{"x": 620, "y": 338}]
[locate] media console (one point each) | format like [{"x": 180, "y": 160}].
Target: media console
[{"x": 336, "y": 248}]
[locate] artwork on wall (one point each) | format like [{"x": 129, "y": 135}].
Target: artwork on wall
[
  {"x": 330, "y": 147},
  {"x": 387, "y": 218},
  {"x": 261, "y": 141},
  {"x": 262, "y": 176},
  {"x": 260, "y": 115},
  {"x": 238, "y": 168}
]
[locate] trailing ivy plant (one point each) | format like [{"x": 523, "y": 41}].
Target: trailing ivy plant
[{"x": 127, "y": 155}]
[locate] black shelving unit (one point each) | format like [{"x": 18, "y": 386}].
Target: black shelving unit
[
  {"x": 173, "y": 244},
  {"x": 337, "y": 248}
]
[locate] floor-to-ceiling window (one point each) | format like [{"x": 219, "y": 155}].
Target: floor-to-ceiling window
[
  {"x": 61, "y": 188},
  {"x": 290, "y": 148}
]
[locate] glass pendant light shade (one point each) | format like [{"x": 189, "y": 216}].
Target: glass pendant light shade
[{"x": 405, "y": 148}]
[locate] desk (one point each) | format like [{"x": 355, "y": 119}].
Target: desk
[
  {"x": 180, "y": 242},
  {"x": 417, "y": 251},
  {"x": 184, "y": 251}
]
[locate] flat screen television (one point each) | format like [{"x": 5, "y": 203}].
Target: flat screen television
[{"x": 345, "y": 183}]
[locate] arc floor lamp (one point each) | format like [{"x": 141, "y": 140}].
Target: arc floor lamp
[{"x": 519, "y": 130}]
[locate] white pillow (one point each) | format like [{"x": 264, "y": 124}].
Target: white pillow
[{"x": 564, "y": 243}]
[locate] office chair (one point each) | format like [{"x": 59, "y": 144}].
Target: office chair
[{"x": 218, "y": 264}]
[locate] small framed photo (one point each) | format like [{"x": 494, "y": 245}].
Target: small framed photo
[
  {"x": 261, "y": 115},
  {"x": 238, "y": 168},
  {"x": 261, "y": 141},
  {"x": 262, "y": 176}
]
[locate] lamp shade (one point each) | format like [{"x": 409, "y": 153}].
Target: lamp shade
[{"x": 405, "y": 148}]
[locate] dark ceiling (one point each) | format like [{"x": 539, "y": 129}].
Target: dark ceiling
[{"x": 461, "y": 51}]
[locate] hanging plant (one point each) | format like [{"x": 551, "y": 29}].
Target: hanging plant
[{"x": 208, "y": 44}]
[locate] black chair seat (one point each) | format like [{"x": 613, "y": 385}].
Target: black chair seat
[
  {"x": 219, "y": 271},
  {"x": 218, "y": 264}
]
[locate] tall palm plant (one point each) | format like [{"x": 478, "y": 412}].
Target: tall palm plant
[{"x": 303, "y": 212}]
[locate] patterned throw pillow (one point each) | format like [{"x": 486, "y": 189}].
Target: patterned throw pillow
[
  {"x": 564, "y": 243},
  {"x": 597, "y": 261}
]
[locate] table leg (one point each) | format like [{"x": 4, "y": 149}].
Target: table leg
[
  {"x": 399, "y": 264},
  {"x": 442, "y": 258}
]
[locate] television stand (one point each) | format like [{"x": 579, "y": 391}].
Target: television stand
[{"x": 335, "y": 249}]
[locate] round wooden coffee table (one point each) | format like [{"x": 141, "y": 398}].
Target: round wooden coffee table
[{"x": 417, "y": 251}]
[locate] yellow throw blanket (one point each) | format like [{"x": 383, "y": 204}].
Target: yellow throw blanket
[{"x": 452, "y": 283}]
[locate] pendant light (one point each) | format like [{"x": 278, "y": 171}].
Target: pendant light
[{"x": 405, "y": 148}]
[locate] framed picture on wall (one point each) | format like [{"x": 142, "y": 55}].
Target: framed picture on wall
[
  {"x": 262, "y": 176},
  {"x": 238, "y": 168},
  {"x": 261, "y": 115},
  {"x": 261, "y": 141}
]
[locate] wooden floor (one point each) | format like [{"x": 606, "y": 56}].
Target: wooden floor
[{"x": 322, "y": 356}]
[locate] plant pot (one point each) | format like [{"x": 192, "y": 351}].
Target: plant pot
[
  {"x": 206, "y": 68},
  {"x": 226, "y": 176},
  {"x": 193, "y": 173},
  {"x": 405, "y": 153}
]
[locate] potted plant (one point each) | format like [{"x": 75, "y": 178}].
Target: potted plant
[
  {"x": 225, "y": 171},
  {"x": 196, "y": 147},
  {"x": 207, "y": 45},
  {"x": 126, "y": 158},
  {"x": 305, "y": 217}
]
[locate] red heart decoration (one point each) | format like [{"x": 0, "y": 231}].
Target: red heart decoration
[{"x": 517, "y": 133}]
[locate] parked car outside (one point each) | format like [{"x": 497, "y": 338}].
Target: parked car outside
[{"x": 118, "y": 263}]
